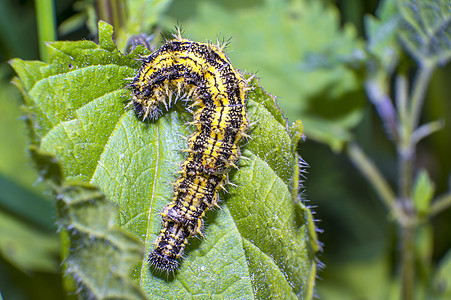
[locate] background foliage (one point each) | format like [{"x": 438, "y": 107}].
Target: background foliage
[{"x": 312, "y": 55}]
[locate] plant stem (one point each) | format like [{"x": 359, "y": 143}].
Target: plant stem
[
  {"x": 112, "y": 11},
  {"x": 384, "y": 107},
  {"x": 419, "y": 90},
  {"x": 440, "y": 205},
  {"x": 373, "y": 175},
  {"x": 426, "y": 130},
  {"x": 45, "y": 15},
  {"x": 407, "y": 261},
  {"x": 405, "y": 159},
  {"x": 406, "y": 147},
  {"x": 401, "y": 88},
  {"x": 402, "y": 127},
  {"x": 407, "y": 226}
]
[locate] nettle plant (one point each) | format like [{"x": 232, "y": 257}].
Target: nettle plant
[
  {"x": 111, "y": 173},
  {"x": 423, "y": 30}
]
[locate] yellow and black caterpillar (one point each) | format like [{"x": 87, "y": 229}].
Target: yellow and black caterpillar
[{"x": 201, "y": 73}]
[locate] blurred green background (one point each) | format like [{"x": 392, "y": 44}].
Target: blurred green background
[{"x": 278, "y": 40}]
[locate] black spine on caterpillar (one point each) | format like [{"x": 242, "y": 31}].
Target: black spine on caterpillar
[{"x": 201, "y": 73}]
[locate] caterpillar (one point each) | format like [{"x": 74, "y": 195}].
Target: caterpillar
[{"x": 201, "y": 74}]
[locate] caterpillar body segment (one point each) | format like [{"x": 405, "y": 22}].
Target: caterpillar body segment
[{"x": 202, "y": 74}]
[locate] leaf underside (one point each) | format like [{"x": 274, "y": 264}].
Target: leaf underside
[
  {"x": 426, "y": 29},
  {"x": 260, "y": 244}
]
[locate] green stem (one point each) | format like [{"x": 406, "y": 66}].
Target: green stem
[
  {"x": 406, "y": 147},
  {"x": 405, "y": 159},
  {"x": 401, "y": 88},
  {"x": 440, "y": 205},
  {"x": 407, "y": 227},
  {"x": 407, "y": 261},
  {"x": 426, "y": 130},
  {"x": 113, "y": 12},
  {"x": 406, "y": 152},
  {"x": 420, "y": 86},
  {"x": 375, "y": 178},
  {"x": 45, "y": 15}
]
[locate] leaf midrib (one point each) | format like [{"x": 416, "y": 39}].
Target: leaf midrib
[{"x": 149, "y": 212}]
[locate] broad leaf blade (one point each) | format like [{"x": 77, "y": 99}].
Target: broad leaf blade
[{"x": 79, "y": 117}]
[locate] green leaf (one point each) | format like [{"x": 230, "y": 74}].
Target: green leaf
[
  {"x": 423, "y": 192},
  {"x": 18, "y": 196},
  {"x": 382, "y": 33},
  {"x": 278, "y": 40},
  {"x": 442, "y": 280},
  {"x": 262, "y": 242},
  {"x": 99, "y": 254},
  {"x": 27, "y": 247},
  {"x": 24, "y": 203},
  {"x": 426, "y": 30},
  {"x": 383, "y": 52}
]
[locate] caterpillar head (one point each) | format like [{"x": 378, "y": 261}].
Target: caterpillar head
[
  {"x": 146, "y": 109},
  {"x": 147, "y": 102}
]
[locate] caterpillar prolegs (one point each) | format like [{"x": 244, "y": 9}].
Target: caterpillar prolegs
[{"x": 202, "y": 74}]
